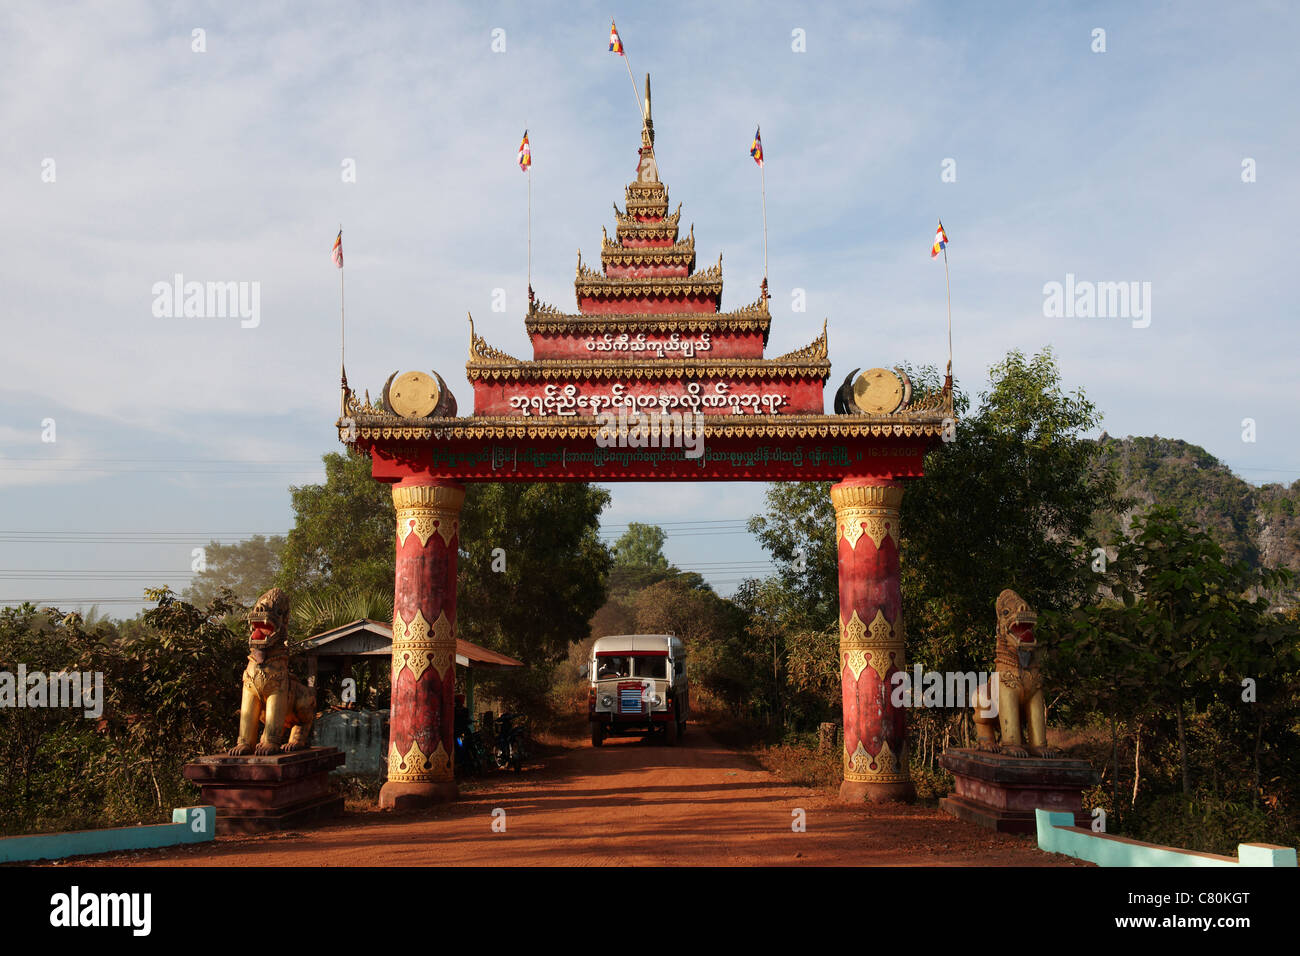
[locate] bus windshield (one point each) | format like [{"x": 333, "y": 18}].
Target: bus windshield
[{"x": 632, "y": 665}]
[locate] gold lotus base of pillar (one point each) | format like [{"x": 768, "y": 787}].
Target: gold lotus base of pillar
[{"x": 409, "y": 796}]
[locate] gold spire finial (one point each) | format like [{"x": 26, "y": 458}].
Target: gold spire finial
[{"x": 648, "y": 124}]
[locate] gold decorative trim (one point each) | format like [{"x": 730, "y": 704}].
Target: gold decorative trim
[
  {"x": 884, "y": 634},
  {"x": 816, "y": 351},
  {"x": 885, "y": 767},
  {"x": 699, "y": 322},
  {"x": 480, "y": 351},
  {"x": 682, "y": 247},
  {"x": 623, "y": 219},
  {"x": 425, "y": 509},
  {"x": 416, "y": 766},
  {"x": 632, "y": 258},
  {"x": 867, "y": 509},
  {"x": 547, "y": 319},
  {"x": 416, "y": 651},
  {"x": 888, "y": 498},
  {"x": 855, "y": 634},
  {"x": 857, "y": 661},
  {"x": 652, "y": 231},
  {"x": 386, "y": 428},
  {"x": 643, "y": 191},
  {"x": 862, "y": 644},
  {"x": 596, "y": 283},
  {"x": 938, "y": 401},
  {"x": 538, "y": 307}
]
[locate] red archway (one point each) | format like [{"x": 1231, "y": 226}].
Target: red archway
[{"x": 649, "y": 338}]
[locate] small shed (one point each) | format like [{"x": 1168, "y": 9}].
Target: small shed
[{"x": 334, "y": 652}]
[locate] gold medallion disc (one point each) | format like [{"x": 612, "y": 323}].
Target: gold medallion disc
[
  {"x": 414, "y": 395},
  {"x": 878, "y": 391}
]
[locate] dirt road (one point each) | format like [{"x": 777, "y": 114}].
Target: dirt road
[{"x": 630, "y": 802}]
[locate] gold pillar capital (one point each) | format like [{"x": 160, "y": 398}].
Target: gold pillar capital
[
  {"x": 424, "y": 509},
  {"x": 881, "y": 498},
  {"x": 445, "y": 498},
  {"x": 870, "y": 509}
]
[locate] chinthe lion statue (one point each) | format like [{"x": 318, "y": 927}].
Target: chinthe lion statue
[
  {"x": 1021, "y": 713},
  {"x": 271, "y": 694}
]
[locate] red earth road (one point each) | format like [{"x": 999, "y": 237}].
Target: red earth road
[{"x": 631, "y": 802}]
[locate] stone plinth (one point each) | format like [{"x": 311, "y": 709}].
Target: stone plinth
[
  {"x": 1002, "y": 793},
  {"x": 260, "y": 794}
]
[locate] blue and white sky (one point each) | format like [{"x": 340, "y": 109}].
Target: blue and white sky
[{"x": 226, "y": 165}]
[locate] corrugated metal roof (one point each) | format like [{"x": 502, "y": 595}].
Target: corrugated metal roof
[{"x": 467, "y": 652}]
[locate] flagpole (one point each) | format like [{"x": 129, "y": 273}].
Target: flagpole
[
  {"x": 343, "y": 371},
  {"x": 529, "y": 173},
  {"x": 763, "y": 180},
  {"x": 636, "y": 95},
  {"x": 530, "y": 231},
  {"x": 639, "y": 105},
  {"x": 948, "y": 285}
]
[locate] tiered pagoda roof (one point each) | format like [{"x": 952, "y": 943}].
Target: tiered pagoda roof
[
  {"x": 649, "y": 334},
  {"x": 649, "y": 314}
]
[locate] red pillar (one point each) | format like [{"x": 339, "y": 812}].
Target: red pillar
[
  {"x": 420, "y": 744},
  {"x": 871, "y": 639}
]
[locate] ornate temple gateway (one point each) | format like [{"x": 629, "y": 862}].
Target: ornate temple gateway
[{"x": 648, "y": 380}]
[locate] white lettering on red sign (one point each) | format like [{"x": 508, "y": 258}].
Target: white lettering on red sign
[
  {"x": 565, "y": 400},
  {"x": 674, "y": 343}
]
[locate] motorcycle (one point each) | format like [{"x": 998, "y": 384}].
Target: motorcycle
[
  {"x": 510, "y": 747},
  {"x": 471, "y": 756}
]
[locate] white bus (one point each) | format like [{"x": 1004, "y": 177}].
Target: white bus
[{"x": 638, "y": 687}]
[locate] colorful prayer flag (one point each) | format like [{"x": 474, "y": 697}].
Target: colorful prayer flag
[
  {"x": 525, "y": 154},
  {"x": 337, "y": 255},
  {"x": 756, "y": 150},
  {"x": 940, "y": 241},
  {"x": 615, "y": 44}
]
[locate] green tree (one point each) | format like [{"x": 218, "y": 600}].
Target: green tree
[
  {"x": 642, "y": 545},
  {"x": 532, "y": 568},
  {"x": 175, "y": 679},
  {"x": 246, "y": 568},
  {"x": 343, "y": 538},
  {"x": 797, "y": 680},
  {"x": 319, "y": 612},
  {"x": 720, "y": 658},
  {"x": 1192, "y": 626},
  {"x": 45, "y": 751},
  {"x": 555, "y": 567},
  {"x": 1007, "y": 504}
]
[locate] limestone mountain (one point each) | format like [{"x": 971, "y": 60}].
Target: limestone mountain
[{"x": 1258, "y": 523}]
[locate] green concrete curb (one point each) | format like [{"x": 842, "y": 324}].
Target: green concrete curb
[
  {"x": 189, "y": 825},
  {"x": 1058, "y": 834}
]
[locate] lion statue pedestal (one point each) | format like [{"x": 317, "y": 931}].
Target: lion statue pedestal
[
  {"x": 266, "y": 782},
  {"x": 1001, "y": 793},
  {"x": 263, "y": 794},
  {"x": 1014, "y": 771}
]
